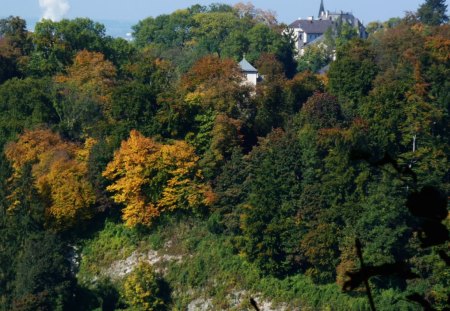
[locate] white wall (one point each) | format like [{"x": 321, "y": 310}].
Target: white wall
[{"x": 252, "y": 78}]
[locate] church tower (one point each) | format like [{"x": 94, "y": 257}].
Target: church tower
[{"x": 321, "y": 9}]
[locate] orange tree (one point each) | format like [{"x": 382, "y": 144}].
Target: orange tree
[
  {"x": 150, "y": 178},
  {"x": 59, "y": 171}
]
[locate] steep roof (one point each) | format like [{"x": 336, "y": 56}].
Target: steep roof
[
  {"x": 321, "y": 9},
  {"x": 246, "y": 66},
  {"x": 312, "y": 26}
]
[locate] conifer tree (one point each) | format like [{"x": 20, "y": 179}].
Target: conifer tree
[{"x": 433, "y": 12}]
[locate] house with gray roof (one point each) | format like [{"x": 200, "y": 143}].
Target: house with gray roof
[
  {"x": 250, "y": 72},
  {"x": 307, "y": 31}
]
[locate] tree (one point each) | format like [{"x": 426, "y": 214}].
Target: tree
[
  {"x": 320, "y": 247},
  {"x": 15, "y": 45},
  {"x": 16, "y": 226},
  {"x": 14, "y": 29},
  {"x": 212, "y": 86},
  {"x": 248, "y": 10},
  {"x": 142, "y": 290},
  {"x": 322, "y": 110},
  {"x": 172, "y": 30},
  {"x": 133, "y": 106},
  {"x": 8, "y": 64},
  {"x": 151, "y": 178},
  {"x": 59, "y": 169},
  {"x": 270, "y": 98},
  {"x": 314, "y": 59},
  {"x": 224, "y": 135},
  {"x": 433, "y": 12},
  {"x": 373, "y": 27},
  {"x": 213, "y": 28},
  {"x": 351, "y": 75},
  {"x": 300, "y": 88},
  {"x": 56, "y": 43},
  {"x": 43, "y": 278},
  {"x": 26, "y": 103},
  {"x": 91, "y": 74},
  {"x": 84, "y": 92},
  {"x": 268, "y": 222}
]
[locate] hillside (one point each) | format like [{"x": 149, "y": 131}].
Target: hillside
[{"x": 152, "y": 175}]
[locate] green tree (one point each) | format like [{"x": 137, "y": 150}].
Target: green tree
[
  {"x": 15, "y": 45},
  {"x": 271, "y": 110},
  {"x": 43, "y": 277},
  {"x": 270, "y": 231},
  {"x": 14, "y": 29},
  {"x": 56, "y": 43},
  {"x": 433, "y": 12},
  {"x": 16, "y": 226},
  {"x": 351, "y": 75},
  {"x": 213, "y": 28},
  {"x": 25, "y": 104},
  {"x": 373, "y": 27},
  {"x": 314, "y": 59},
  {"x": 300, "y": 88},
  {"x": 172, "y": 30},
  {"x": 133, "y": 106}
]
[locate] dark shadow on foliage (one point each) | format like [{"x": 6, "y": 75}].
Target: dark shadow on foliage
[
  {"x": 399, "y": 269},
  {"x": 428, "y": 206},
  {"x": 402, "y": 170},
  {"x": 421, "y": 301}
]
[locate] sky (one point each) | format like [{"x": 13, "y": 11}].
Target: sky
[{"x": 135, "y": 10}]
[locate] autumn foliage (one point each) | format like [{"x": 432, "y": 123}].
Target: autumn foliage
[
  {"x": 150, "y": 178},
  {"x": 59, "y": 171},
  {"x": 214, "y": 83},
  {"x": 92, "y": 75}
]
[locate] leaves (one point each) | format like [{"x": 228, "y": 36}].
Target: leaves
[
  {"x": 141, "y": 289},
  {"x": 91, "y": 74},
  {"x": 60, "y": 172},
  {"x": 150, "y": 178}
]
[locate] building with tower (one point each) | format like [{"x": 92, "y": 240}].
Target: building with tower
[{"x": 311, "y": 31}]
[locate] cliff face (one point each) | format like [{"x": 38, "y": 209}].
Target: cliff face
[{"x": 174, "y": 260}]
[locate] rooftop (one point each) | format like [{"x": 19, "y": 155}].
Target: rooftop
[
  {"x": 246, "y": 66},
  {"x": 312, "y": 26}
]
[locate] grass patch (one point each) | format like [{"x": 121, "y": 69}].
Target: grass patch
[{"x": 114, "y": 242}]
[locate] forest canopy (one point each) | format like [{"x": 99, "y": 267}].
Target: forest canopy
[{"x": 119, "y": 142}]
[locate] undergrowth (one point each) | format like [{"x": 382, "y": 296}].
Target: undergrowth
[{"x": 211, "y": 269}]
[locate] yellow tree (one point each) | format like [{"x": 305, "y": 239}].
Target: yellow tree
[
  {"x": 92, "y": 74},
  {"x": 141, "y": 289},
  {"x": 84, "y": 92},
  {"x": 59, "y": 170},
  {"x": 149, "y": 178}
]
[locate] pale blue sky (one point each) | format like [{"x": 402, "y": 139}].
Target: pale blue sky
[{"x": 287, "y": 10}]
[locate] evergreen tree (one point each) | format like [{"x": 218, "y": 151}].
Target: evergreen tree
[{"x": 433, "y": 12}]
